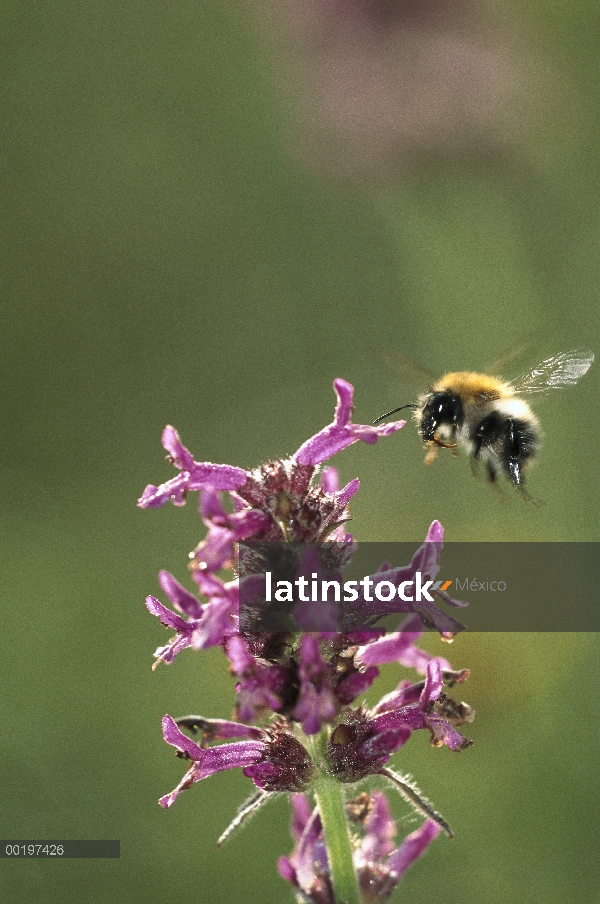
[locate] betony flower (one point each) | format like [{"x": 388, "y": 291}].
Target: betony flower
[
  {"x": 424, "y": 566},
  {"x": 273, "y": 759},
  {"x": 194, "y": 475},
  {"x": 298, "y": 721},
  {"x": 378, "y": 862},
  {"x": 364, "y": 740},
  {"x": 342, "y": 432},
  {"x": 206, "y": 626},
  {"x": 422, "y": 714}
]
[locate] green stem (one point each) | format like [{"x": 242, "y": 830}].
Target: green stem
[{"x": 330, "y": 800}]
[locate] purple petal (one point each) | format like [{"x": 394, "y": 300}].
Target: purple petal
[
  {"x": 405, "y": 693},
  {"x": 217, "y": 549},
  {"x": 215, "y": 625},
  {"x": 301, "y": 810},
  {"x": 341, "y": 433},
  {"x": 435, "y": 534},
  {"x": 411, "y": 716},
  {"x": 247, "y": 524},
  {"x": 414, "y": 718},
  {"x": 355, "y": 684},
  {"x": 384, "y": 743},
  {"x": 316, "y": 703},
  {"x": 344, "y": 407},
  {"x": 390, "y": 648},
  {"x": 177, "y": 739},
  {"x": 168, "y": 653},
  {"x": 444, "y": 733},
  {"x": 173, "y": 490},
  {"x": 413, "y": 847},
  {"x": 380, "y": 828},
  {"x": 180, "y": 456},
  {"x": 436, "y": 618},
  {"x": 330, "y": 482},
  {"x": 168, "y": 618},
  {"x": 239, "y": 656},
  {"x": 207, "y": 760},
  {"x": 286, "y": 870},
  {"x": 433, "y": 683},
  {"x": 194, "y": 475},
  {"x": 186, "y": 782},
  {"x": 458, "y": 604},
  {"x": 208, "y": 584},
  {"x": 310, "y": 852},
  {"x": 224, "y": 729},
  {"x": 211, "y": 507},
  {"x": 260, "y": 690},
  {"x": 417, "y": 659},
  {"x": 262, "y": 774},
  {"x": 344, "y": 495},
  {"x": 206, "y": 475},
  {"x": 185, "y": 630},
  {"x": 181, "y": 598}
]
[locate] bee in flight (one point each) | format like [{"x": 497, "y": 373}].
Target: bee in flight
[{"x": 487, "y": 416}]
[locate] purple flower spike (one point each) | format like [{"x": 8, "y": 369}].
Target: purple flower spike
[
  {"x": 194, "y": 475},
  {"x": 342, "y": 432},
  {"x": 301, "y": 659}
]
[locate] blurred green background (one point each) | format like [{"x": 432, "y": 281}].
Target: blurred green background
[{"x": 167, "y": 260}]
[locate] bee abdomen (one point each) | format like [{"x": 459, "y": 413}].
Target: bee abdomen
[{"x": 521, "y": 442}]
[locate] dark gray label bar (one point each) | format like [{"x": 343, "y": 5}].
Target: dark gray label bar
[
  {"x": 501, "y": 586},
  {"x": 58, "y": 850}
]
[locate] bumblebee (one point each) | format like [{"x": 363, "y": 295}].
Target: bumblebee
[{"x": 487, "y": 417}]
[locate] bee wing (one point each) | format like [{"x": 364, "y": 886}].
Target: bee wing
[
  {"x": 513, "y": 355},
  {"x": 408, "y": 372},
  {"x": 559, "y": 370}
]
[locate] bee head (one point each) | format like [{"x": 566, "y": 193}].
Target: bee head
[{"x": 439, "y": 409}]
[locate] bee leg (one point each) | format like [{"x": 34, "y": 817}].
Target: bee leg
[
  {"x": 474, "y": 462},
  {"x": 516, "y": 447},
  {"x": 432, "y": 454},
  {"x": 525, "y": 495},
  {"x": 492, "y": 475}
]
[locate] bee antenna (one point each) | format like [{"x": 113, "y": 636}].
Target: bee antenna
[{"x": 402, "y": 407}]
